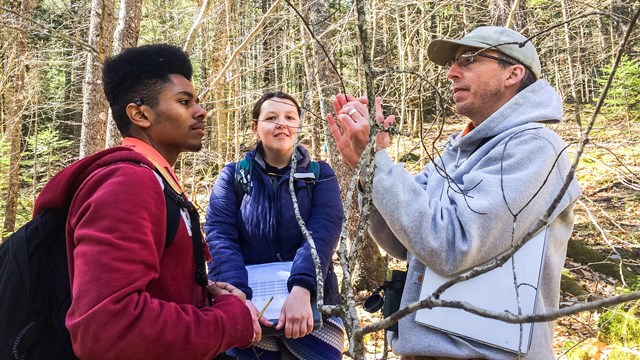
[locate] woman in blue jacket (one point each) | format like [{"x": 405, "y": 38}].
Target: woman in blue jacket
[{"x": 252, "y": 221}]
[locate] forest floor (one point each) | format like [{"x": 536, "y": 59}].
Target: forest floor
[
  {"x": 608, "y": 221},
  {"x": 579, "y": 336}
]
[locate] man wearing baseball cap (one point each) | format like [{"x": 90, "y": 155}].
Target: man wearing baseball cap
[{"x": 491, "y": 184}]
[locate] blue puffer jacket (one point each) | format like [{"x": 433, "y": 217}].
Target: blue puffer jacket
[{"x": 264, "y": 229}]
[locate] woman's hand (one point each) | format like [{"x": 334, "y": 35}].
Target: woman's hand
[{"x": 296, "y": 316}]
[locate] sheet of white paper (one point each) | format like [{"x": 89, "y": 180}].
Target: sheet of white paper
[
  {"x": 267, "y": 280},
  {"x": 495, "y": 291}
]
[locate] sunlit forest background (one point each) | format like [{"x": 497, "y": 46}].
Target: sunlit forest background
[{"x": 53, "y": 110}]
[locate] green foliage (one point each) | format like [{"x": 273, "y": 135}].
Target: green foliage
[
  {"x": 44, "y": 156},
  {"x": 620, "y": 326},
  {"x": 625, "y": 89},
  {"x": 568, "y": 285},
  {"x": 621, "y": 354},
  {"x": 409, "y": 157},
  {"x": 574, "y": 351}
]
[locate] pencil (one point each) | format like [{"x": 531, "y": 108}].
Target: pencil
[{"x": 265, "y": 308}]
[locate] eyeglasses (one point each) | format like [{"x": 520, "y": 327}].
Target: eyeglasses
[
  {"x": 469, "y": 57},
  {"x": 289, "y": 121}
]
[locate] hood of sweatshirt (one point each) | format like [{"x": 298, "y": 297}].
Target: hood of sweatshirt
[{"x": 59, "y": 191}]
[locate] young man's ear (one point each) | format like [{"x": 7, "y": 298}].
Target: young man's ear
[{"x": 138, "y": 116}]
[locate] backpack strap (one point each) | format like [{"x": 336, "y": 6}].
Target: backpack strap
[
  {"x": 311, "y": 176},
  {"x": 168, "y": 179},
  {"x": 242, "y": 178},
  {"x": 172, "y": 202},
  {"x": 315, "y": 169},
  {"x": 176, "y": 200}
]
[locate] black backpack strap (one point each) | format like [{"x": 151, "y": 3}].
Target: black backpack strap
[
  {"x": 172, "y": 201},
  {"x": 198, "y": 246},
  {"x": 175, "y": 202}
]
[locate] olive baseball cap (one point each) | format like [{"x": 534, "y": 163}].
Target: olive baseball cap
[{"x": 501, "y": 39}]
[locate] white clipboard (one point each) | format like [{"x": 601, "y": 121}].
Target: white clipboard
[
  {"x": 267, "y": 280},
  {"x": 270, "y": 280},
  {"x": 494, "y": 291}
]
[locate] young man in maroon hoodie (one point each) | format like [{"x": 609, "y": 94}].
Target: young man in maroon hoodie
[{"x": 132, "y": 296}]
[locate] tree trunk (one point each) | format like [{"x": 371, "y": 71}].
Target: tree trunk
[
  {"x": 370, "y": 267},
  {"x": 95, "y": 109},
  {"x": 126, "y": 36},
  {"x": 508, "y": 13},
  {"x": 72, "y": 109},
  {"x": 572, "y": 82},
  {"x": 310, "y": 119},
  {"x": 269, "y": 51},
  {"x": 16, "y": 99}
]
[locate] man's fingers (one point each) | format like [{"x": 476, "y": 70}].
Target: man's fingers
[
  {"x": 257, "y": 330},
  {"x": 389, "y": 121},
  {"x": 337, "y": 106},
  {"x": 362, "y": 111},
  {"x": 378, "y": 109},
  {"x": 355, "y": 110},
  {"x": 334, "y": 127},
  {"x": 216, "y": 291},
  {"x": 342, "y": 99}
]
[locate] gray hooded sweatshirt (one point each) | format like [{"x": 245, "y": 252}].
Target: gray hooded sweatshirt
[{"x": 457, "y": 214}]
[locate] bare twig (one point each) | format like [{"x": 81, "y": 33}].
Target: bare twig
[
  {"x": 196, "y": 25},
  {"x": 431, "y": 302}
]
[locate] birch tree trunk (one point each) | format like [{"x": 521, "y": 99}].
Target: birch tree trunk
[
  {"x": 95, "y": 109},
  {"x": 126, "y": 36}
]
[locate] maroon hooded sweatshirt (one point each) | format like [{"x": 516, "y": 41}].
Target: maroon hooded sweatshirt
[{"x": 131, "y": 297}]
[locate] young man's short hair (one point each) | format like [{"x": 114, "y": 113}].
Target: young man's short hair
[{"x": 138, "y": 75}]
